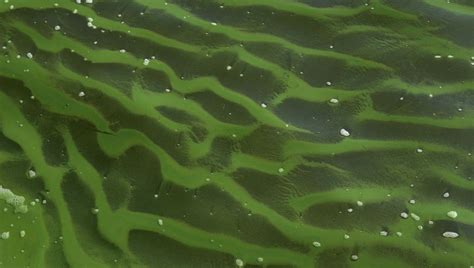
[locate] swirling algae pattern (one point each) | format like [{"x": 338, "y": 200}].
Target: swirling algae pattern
[{"x": 223, "y": 133}]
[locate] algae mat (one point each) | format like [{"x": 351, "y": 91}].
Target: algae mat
[{"x": 224, "y": 133}]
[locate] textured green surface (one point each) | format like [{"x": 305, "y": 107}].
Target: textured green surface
[{"x": 191, "y": 163}]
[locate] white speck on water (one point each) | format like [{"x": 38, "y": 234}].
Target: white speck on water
[
  {"x": 360, "y": 203},
  {"x": 281, "y": 170},
  {"x": 450, "y": 56},
  {"x": 89, "y": 1},
  {"x": 122, "y": 50},
  {"x": 228, "y": 68},
  {"x": 81, "y": 94},
  {"x": 146, "y": 62},
  {"x": 31, "y": 174},
  {"x": 239, "y": 262},
  {"x": 5, "y": 235},
  {"x": 350, "y": 210},
  {"x": 334, "y": 101},
  {"x": 399, "y": 233},
  {"x": 437, "y": 56},
  {"x": 260, "y": 259},
  {"x": 446, "y": 195},
  {"x": 344, "y": 132},
  {"x": 213, "y": 24},
  {"x": 95, "y": 211},
  {"x": 354, "y": 257},
  {"x": 415, "y": 217},
  {"x": 450, "y": 234},
  {"x": 316, "y": 244},
  {"x": 22, "y": 233},
  {"x": 404, "y": 215},
  {"x": 452, "y": 214},
  {"x": 263, "y": 105},
  {"x": 420, "y": 227},
  {"x": 419, "y": 150},
  {"x": 29, "y": 55},
  {"x": 412, "y": 201},
  {"x": 328, "y": 83},
  {"x": 57, "y": 27},
  {"x": 383, "y": 233},
  {"x": 160, "y": 222},
  {"x": 346, "y": 236}
]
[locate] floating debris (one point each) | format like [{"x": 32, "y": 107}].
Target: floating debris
[
  {"x": 354, "y": 257},
  {"x": 22, "y": 233},
  {"x": 344, "y": 132},
  {"x": 228, "y": 68},
  {"x": 146, "y": 62},
  {"x": 57, "y": 27},
  {"x": 316, "y": 244},
  {"x": 281, "y": 170},
  {"x": 404, "y": 215},
  {"x": 446, "y": 195},
  {"x": 383, "y": 233},
  {"x": 360, "y": 203},
  {"x": 263, "y": 105},
  {"x": 452, "y": 214},
  {"x": 31, "y": 174},
  {"x": 160, "y": 222},
  {"x": 450, "y": 234},
  {"x": 5, "y": 235},
  {"x": 334, "y": 101},
  {"x": 260, "y": 259},
  {"x": 415, "y": 217},
  {"x": 16, "y": 201},
  {"x": 239, "y": 262},
  {"x": 29, "y": 55},
  {"x": 81, "y": 94}
]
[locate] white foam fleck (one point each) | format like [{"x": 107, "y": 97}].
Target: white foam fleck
[
  {"x": 316, "y": 244},
  {"x": 452, "y": 214},
  {"x": 344, "y": 132},
  {"x": 450, "y": 234},
  {"x": 5, "y": 235},
  {"x": 239, "y": 262},
  {"x": 415, "y": 217},
  {"x": 31, "y": 174}
]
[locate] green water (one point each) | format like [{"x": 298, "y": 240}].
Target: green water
[{"x": 226, "y": 133}]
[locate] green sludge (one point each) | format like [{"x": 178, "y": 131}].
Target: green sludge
[{"x": 207, "y": 133}]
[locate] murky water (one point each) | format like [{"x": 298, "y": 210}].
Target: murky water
[{"x": 230, "y": 133}]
